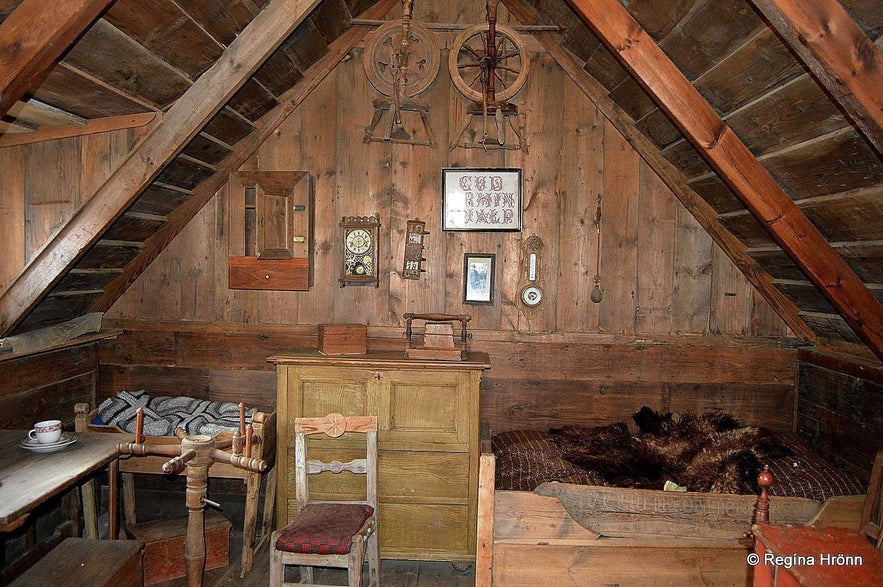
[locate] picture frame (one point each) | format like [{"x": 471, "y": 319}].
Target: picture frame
[
  {"x": 478, "y": 278},
  {"x": 481, "y": 199}
]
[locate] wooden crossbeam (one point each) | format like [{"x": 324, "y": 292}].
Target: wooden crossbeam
[
  {"x": 34, "y": 36},
  {"x": 180, "y": 124},
  {"x": 737, "y": 166},
  {"x": 838, "y": 52},
  {"x": 244, "y": 149},
  {"x": 93, "y": 126}
]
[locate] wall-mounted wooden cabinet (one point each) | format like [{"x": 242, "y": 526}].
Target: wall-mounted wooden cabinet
[
  {"x": 271, "y": 230},
  {"x": 428, "y": 443}
]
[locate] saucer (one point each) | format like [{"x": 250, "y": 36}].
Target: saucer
[{"x": 32, "y": 444}]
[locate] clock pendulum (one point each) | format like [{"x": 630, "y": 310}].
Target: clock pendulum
[{"x": 597, "y": 293}]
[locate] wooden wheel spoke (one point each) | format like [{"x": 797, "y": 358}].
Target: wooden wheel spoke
[{"x": 506, "y": 47}]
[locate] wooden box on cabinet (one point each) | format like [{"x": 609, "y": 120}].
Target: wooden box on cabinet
[
  {"x": 428, "y": 443},
  {"x": 343, "y": 339},
  {"x": 270, "y": 230}
]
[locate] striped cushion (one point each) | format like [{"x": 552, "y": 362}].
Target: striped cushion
[{"x": 324, "y": 528}]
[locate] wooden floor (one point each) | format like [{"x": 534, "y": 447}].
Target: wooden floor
[{"x": 393, "y": 573}]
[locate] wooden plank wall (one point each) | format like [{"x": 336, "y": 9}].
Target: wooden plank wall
[
  {"x": 678, "y": 326},
  {"x": 47, "y": 385},
  {"x": 841, "y": 408},
  {"x": 44, "y": 183}
]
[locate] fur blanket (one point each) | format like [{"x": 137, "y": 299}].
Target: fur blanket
[{"x": 711, "y": 452}]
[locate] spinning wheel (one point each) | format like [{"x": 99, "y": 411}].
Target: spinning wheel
[
  {"x": 486, "y": 71},
  {"x": 401, "y": 61},
  {"x": 388, "y": 67},
  {"x": 197, "y": 452}
]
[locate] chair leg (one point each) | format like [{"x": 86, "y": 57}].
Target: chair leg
[
  {"x": 252, "y": 494},
  {"x": 354, "y": 562},
  {"x": 276, "y": 568},
  {"x": 373, "y": 560},
  {"x": 306, "y": 574}
]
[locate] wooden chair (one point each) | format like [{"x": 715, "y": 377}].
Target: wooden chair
[{"x": 325, "y": 533}]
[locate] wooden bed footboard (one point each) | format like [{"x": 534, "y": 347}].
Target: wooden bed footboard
[{"x": 535, "y": 538}]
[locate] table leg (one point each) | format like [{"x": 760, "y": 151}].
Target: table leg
[{"x": 113, "y": 475}]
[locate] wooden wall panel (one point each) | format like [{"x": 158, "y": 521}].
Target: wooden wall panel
[
  {"x": 12, "y": 214},
  {"x": 47, "y": 385},
  {"x": 657, "y": 269},
  {"x": 537, "y": 381},
  {"x": 841, "y": 408}
]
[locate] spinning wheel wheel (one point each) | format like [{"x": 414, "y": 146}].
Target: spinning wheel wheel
[
  {"x": 388, "y": 67},
  {"x": 486, "y": 71}
]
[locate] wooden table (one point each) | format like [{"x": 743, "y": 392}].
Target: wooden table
[{"x": 28, "y": 479}]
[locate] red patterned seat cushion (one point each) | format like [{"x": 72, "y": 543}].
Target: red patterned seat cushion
[{"x": 324, "y": 528}]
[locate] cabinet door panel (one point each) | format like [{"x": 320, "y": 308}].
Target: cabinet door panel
[
  {"x": 424, "y": 477},
  {"x": 317, "y": 392},
  {"x": 426, "y": 408},
  {"x": 428, "y": 529}
]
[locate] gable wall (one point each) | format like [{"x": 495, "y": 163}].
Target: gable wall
[{"x": 678, "y": 326}]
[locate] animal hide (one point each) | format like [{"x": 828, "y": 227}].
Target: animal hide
[{"x": 711, "y": 452}]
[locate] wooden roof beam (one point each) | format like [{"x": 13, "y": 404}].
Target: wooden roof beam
[
  {"x": 673, "y": 178},
  {"x": 735, "y": 164},
  {"x": 838, "y": 52},
  {"x": 180, "y": 124},
  {"x": 34, "y": 36},
  {"x": 244, "y": 149}
]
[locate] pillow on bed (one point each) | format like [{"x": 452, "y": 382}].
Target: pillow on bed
[
  {"x": 527, "y": 458},
  {"x": 807, "y": 474}
]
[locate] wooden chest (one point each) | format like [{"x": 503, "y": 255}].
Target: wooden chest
[
  {"x": 80, "y": 562},
  {"x": 164, "y": 545},
  {"x": 343, "y": 339}
]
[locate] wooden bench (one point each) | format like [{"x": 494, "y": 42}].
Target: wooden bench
[{"x": 80, "y": 562}]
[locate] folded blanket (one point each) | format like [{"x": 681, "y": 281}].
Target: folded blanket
[{"x": 162, "y": 415}]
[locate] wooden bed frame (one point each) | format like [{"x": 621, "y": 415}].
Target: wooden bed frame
[
  {"x": 264, "y": 427},
  {"x": 637, "y": 536}
]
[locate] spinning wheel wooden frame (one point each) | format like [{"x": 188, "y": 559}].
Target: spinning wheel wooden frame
[
  {"x": 478, "y": 65},
  {"x": 197, "y": 452}
]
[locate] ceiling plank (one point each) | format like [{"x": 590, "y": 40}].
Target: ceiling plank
[
  {"x": 670, "y": 175},
  {"x": 244, "y": 149},
  {"x": 838, "y": 52},
  {"x": 748, "y": 179},
  {"x": 90, "y": 127},
  {"x": 32, "y": 38},
  {"x": 180, "y": 124}
]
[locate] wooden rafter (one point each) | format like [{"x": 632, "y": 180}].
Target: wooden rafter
[
  {"x": 241, "y": 152},
  {"x": 34, "y": 36},
  {"x": 93, "y": 126},
  {"x": 735, "y": 164},
  {"x": 180, "y": 124},
  {"x": 838, "y": 52},
  {"x": 670, "y": 175}
]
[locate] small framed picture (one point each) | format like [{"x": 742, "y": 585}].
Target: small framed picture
[
  {"x": 481, "y": 199},
  {"x": 478, "y": 278}
]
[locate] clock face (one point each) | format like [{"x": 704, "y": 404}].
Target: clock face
[{"x": 358, "y": 241}]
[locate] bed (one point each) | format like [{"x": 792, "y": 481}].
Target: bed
[
  {"x": 539, "y": 523},
  {"x": 163, "y": 415}
]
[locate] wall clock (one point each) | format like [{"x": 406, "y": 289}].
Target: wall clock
[{"x": 361, "y": 250}]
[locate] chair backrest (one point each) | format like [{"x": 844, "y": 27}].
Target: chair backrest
[
  {"x": 335, "y": 426},
  {"x": 872, "y": 513}
]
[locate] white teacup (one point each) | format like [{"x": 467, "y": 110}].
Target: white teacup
[{"x": 46, "y": 432}]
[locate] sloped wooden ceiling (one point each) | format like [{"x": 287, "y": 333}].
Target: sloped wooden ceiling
[{"x": 762, "y": 116}]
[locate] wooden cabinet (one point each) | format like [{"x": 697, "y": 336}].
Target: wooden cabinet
[{"x": 428, "y": 443}]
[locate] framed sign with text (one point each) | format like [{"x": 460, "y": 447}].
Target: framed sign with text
[{"x": 481, "y": 199}]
